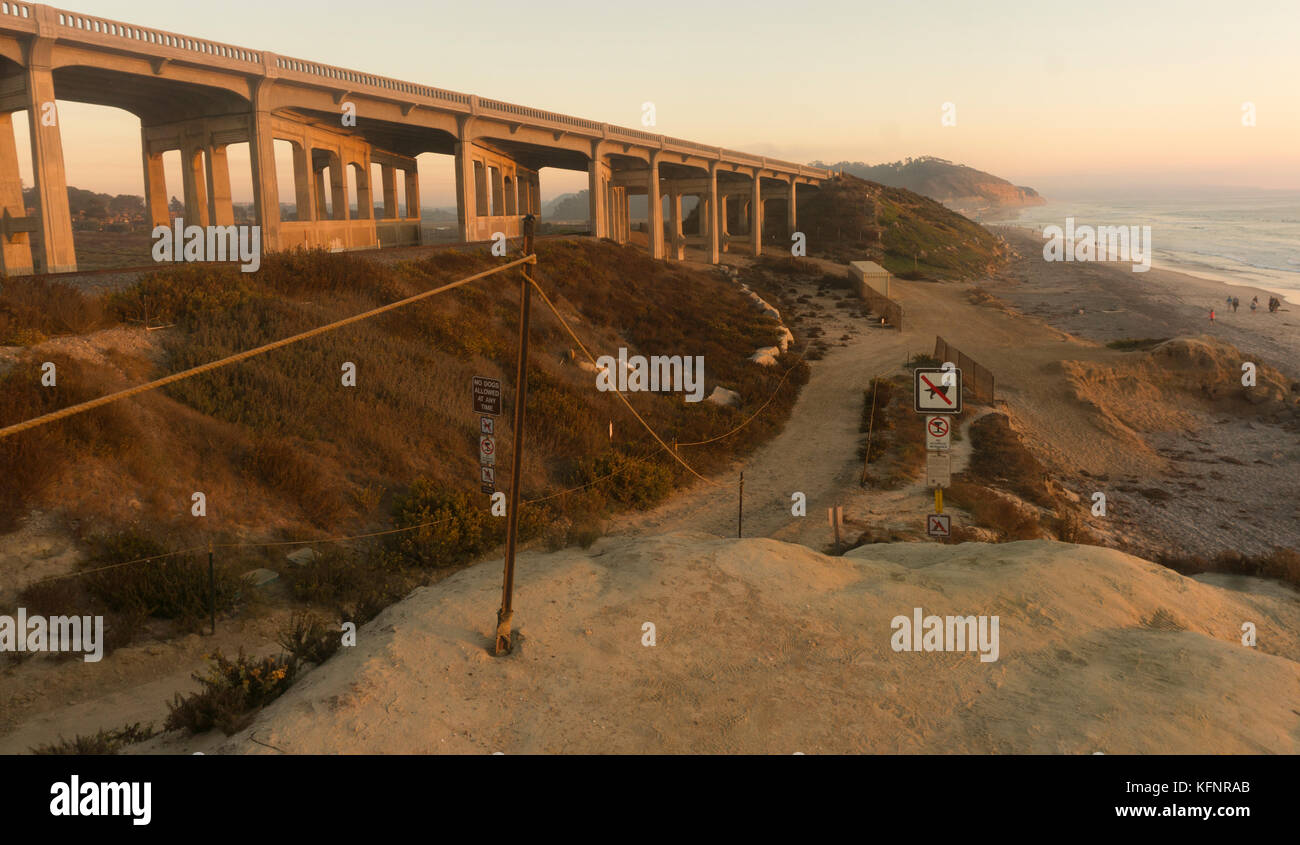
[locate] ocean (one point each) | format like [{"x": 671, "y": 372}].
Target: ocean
[{"x": 1244, "y": 239}]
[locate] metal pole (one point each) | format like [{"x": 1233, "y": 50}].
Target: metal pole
[
  {"x": 212, "y": 590},
  {"x": 740, "y": 513},
  {"x": 503, "y": 645}
]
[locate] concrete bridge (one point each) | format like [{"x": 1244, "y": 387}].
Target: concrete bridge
[{"x": 199, "y": 97}]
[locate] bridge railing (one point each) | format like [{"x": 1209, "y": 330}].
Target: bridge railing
[
  {"x": 354, "y": 77},
  {"x": 538, "y": 114},
  {"x": 129, "y": 32},
  {"x": 17, "y": 10}
]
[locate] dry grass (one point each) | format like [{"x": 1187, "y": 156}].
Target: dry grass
[{"x": 283, "y": 450}]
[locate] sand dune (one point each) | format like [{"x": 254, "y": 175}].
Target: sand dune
[{"x": 768, "y": 647}]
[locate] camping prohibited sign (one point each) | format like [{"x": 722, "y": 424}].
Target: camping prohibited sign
[
  {"x": 938, "y": 433},
  {"x": 938, "y": 525},
  {"x": 938, "y": 391},
  {"x": 488, "y": 477},
  {"x": 487, "y": 395}
]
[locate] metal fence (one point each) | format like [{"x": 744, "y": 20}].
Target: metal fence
[{"x": 977, "y": 379}]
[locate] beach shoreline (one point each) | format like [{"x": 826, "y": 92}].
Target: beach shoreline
[{"x": 1107, "y": 301}]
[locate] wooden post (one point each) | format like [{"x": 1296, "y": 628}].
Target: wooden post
[
  {"x": 503, "y": 644},
  {"x": 212, "y": 590}
]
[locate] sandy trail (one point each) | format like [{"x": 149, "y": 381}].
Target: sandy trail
[{"x": 816, "y": 451}]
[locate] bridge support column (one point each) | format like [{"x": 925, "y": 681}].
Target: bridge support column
[
  {"x": 305, "y": 195},
  {"x": 261, "y": 154},
  {"x": 155, "y": 187},
  {"x": 791, "y": 216},
  {"x": 58, "y": 253},
  {"x": 655, "y": 223},
  {"x": 717, "y": 215},
  {"x": 677, "y": 241},
  {"x": 15, "y": 250},
  {"x": 756, "y": 215},
  {"x": 388, "y": 175},
  {"x": 196, "y": 195},
  {"x": 338, "y": 188},
  {"x": 597, "y": 180},
  {"x": 412, "y": 194},
  {"x": 221, "y": 208},
  {"x": 365, "y": 201},
  {"x": 322, "y": 208},
  {"x": 466, "y": 186}
]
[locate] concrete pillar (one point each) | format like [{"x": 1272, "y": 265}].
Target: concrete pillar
[
  {"x": 321, "y": 208},
  {"x": 388, "y": 175},
  {"x": 261, "y": 155},
  {"x": 413, "y": 193},
  {"x": 155, "y": 187},
  {"x": 717, "y": 214},
  {"x": 221, "y": 208},
  {"x": 339, "y": 188},
  {"x": 678, "y": 247},
  {"x": 196, "y": 194},
  {"x": 597, "y": 177},
  {"x": 756, "y": 215},
  {"x": 655, "y": 223},
  {"x": 624, "y": 217},
  {"x": 791, "y": 217},
  {"x": 303, "y": 182},
  {"x": 58, "y": 253},
  {"x": 15, "y": 251},
  {"x": 465, "y": 190},
  {"x": 365, "y": 201}
]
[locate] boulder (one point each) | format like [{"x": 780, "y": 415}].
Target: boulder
[
  {"x": 723, "y": 396},
  {"x": 303, "y": 556},
  {"x": 261, "y": 577}
]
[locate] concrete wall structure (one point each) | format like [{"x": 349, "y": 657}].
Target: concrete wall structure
[{"x": 199, "y": 97}]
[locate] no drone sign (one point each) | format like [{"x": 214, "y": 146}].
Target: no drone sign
[{"x": 937, "y": 390}]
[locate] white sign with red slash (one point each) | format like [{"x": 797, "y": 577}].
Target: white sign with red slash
[
  {"x": 937, "y": 391},
  {"x": 938, "y": 525},
  {"x": 938, "y": 433}
]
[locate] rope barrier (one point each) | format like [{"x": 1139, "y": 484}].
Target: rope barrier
[{"x": 81, "y": 408}]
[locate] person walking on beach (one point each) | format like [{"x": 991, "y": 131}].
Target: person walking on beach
[
  {"x": 1236, "y": 303},
  {"x": 1211, "y": 316},
  {"x": 1254, "y": 303}
]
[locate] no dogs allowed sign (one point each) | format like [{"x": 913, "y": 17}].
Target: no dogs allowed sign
[{"x": 938, "y": 391}]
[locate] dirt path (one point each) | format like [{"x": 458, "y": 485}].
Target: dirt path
[{"x": 816, "y": 451}]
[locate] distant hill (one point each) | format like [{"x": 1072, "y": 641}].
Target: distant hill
[
  {"x": 567, "y": 208},
  {"x": 849, "y": 219},
  {"x": 955, "y": 185}
]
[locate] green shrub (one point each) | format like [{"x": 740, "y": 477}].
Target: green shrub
[
  {"x": 307, "y": 639},
  {"x": 454, "y": 526},
  {"x": 172, "y": 588},
  {"x": 232, "y": 693},
  {"x": 103, "y": 742}
]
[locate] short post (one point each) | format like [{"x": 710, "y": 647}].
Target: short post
[
  {"x": 740, "y": 513},
  {"x": 503, "y": 644},
  {"x": 938, "y": 500},
  {"x": 212, "y": 590}
]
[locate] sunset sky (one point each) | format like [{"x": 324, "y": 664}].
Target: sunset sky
[{"x": 1071, "y": 99}]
